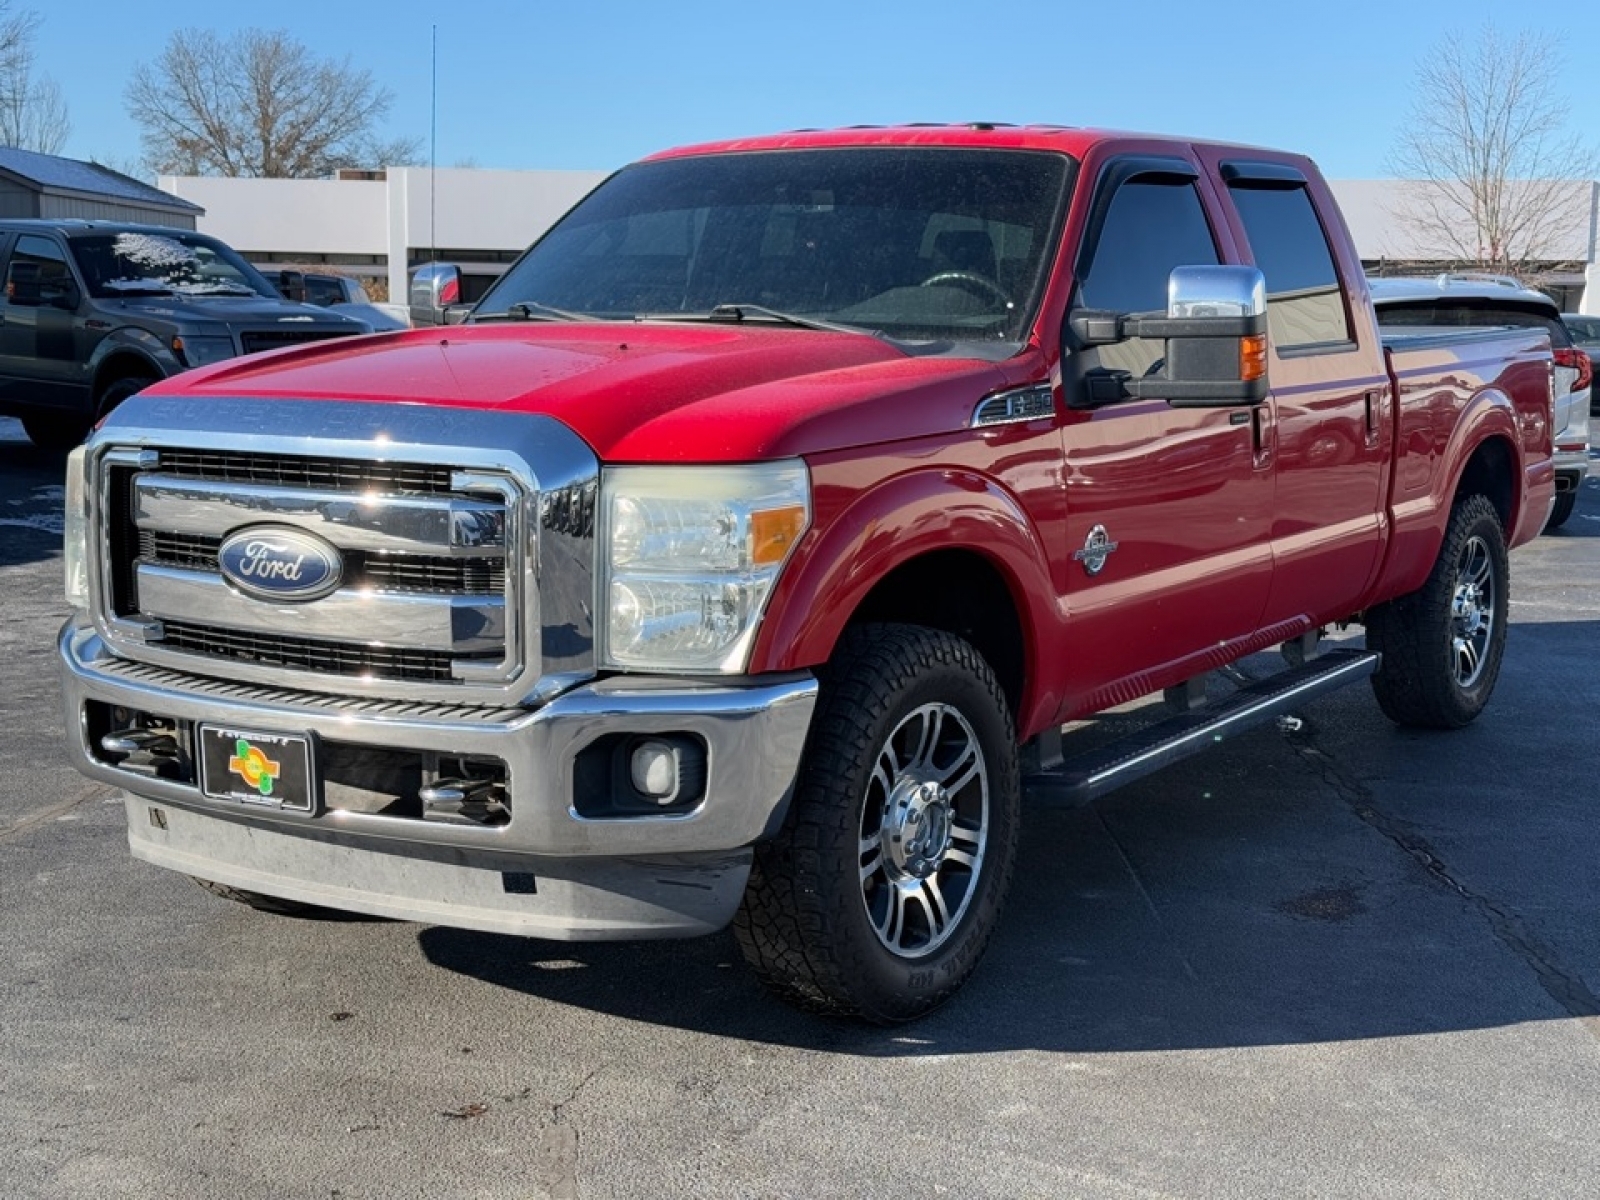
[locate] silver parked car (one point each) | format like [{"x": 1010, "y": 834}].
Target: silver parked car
[
  {"x": 1585, "y": 333},
  {"x": 1454, "y": 300}
]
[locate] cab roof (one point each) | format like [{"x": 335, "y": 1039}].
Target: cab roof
[{"x": 973, "y": 135}]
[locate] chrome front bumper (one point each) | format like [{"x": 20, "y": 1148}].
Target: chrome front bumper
[{"x": 548, "y": 871}]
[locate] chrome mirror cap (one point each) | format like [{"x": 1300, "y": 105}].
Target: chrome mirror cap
[{"x": 1216, "y": 292}]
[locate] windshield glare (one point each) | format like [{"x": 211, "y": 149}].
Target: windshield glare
[
  {"x": 142, "y": 263},
  {"x": 918, "y": 244}
]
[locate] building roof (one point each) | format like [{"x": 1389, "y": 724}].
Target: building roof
[{"x": 51, "y": 173}]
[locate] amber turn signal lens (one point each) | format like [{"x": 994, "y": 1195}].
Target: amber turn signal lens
[
  {"x": 774, "y": 532},
  {"x": 1253, "y": 357}
]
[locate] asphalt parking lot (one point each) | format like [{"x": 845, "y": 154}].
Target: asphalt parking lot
[{"x": 1338, "y": 960}]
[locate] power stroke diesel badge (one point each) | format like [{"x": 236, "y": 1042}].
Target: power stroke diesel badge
[
  {"x": 1097, "y": 547},
  {"x": 272, "y": 562}
]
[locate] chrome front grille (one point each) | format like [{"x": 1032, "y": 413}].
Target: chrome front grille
[
  {"x": 301, "y": 471},
  {"x": 381, "y": 572},
  {"x": 252, "y": 341},
  {"x": 454, "y": 574},
  {"x": 309, "y": 654}
]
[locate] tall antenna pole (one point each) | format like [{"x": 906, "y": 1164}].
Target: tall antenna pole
[{"x": 433, "y": 153}]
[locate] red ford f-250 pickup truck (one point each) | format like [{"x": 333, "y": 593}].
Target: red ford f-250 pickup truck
[{"x": 782, "y": 494}]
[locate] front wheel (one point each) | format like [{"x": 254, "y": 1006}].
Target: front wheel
[
  {"x": 55, "y": 433},
  {"x": 881, "y": 892},
  {"x": 1442, "y": 644}
]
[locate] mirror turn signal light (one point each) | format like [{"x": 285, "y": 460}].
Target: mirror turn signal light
[{"x": 1253, "y": 357}]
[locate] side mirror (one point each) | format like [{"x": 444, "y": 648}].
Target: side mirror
[
  {"x": 435, "y": 289},
  {"x": 64, "y": 294},
  {"x": 292, "y": 286},
  {"x": 1215, "y": 330}
]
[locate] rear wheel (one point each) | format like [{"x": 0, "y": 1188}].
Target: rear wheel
[
  {"x": 1442, "y": 644},
  {"x": 1565, "y": 503},
  {"x": 881, "y": 892}
]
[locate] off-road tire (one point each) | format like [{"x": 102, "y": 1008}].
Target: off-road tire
[
  {"x": 1565, "y": 503},
  {"x": 277, "y": 905},
  {"x": 804, "y": 925},
  {"x": 1420, "y": 681}
]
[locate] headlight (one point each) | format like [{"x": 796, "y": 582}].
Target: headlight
[
  {"x": 203, "y": 351},
  {"x": 691, "y": 554},
  {"x": 75, "y": 531}
]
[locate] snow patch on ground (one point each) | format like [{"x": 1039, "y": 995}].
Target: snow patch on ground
[
  {"x": 43, "y": 522},
  {"x": 52, "y": 521}
]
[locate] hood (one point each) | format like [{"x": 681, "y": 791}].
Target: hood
[
  {"x": 232, "y": 311},
  {"x": 639, "y": 392}
]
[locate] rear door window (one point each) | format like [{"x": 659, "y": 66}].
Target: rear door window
[{"x": 1305, "y": 304}]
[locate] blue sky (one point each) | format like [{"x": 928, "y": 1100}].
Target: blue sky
[{"x": 594, "y": 85}]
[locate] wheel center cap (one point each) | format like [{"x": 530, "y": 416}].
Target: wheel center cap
[
  {"x": 917, "y": 827},
  {"x": 1469, "y": 609}
]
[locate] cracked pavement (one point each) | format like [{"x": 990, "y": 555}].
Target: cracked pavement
[{"x": 1338, "y": 960}]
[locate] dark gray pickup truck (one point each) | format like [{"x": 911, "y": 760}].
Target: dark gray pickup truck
[{"x": 94, "y": 311}]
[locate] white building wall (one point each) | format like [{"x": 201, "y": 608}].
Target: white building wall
[
  {"x": 391, "y": 219},
  {"x": 462, "y": 209},
  {"x": 289, "y": 216},
  {"x": 1374, "y": 209}
]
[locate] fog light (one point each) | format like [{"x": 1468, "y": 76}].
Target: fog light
[
  {"x": 667, "y": 770},
  {"x": 654, "y": 768}
]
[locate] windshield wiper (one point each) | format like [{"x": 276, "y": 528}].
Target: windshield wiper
[
  {"x": 531, "y": 310},
  {"x": 736, "y": 313}
]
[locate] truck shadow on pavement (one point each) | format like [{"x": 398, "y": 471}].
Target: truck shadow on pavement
[
  {"x": 1343, "y": 880},
  {"x": 31, "y": 496}
]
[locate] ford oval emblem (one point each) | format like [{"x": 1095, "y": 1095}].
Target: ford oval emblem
[{"x": 274, "y": 562}]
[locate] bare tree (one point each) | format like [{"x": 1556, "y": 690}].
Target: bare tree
[
  {"x": 33, "y": 116},
  {"x": 1497, "y": 180},
  {"x": 258, "y": 103}
]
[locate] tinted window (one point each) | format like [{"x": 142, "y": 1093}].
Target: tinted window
[
  {"x": 1584, "y": 332},
  {"x": 1451, "y": 312},
  {"x": 323, "y": 291},
  {"x": 1305, "y": 306},
  {"x": 37, "y": 273},
  {"x": 917, "y": 243},
  {"x": 1149, "y": 229}
]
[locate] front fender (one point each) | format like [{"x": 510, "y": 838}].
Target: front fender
[
  {"x": 136, "y": 346},
  {"x": 913, "y": 514}
]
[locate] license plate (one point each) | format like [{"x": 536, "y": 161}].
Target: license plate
[{"x": 271, "y": 769}]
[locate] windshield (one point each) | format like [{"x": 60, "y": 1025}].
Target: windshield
[
  {"x": 913, "y": 243},
  {"x": 165, "y": 263}
]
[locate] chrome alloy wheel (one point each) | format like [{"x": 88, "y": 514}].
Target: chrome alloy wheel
[
  {"x": 1472, "y": 611},
  {"x": 924, "y": 825}
]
